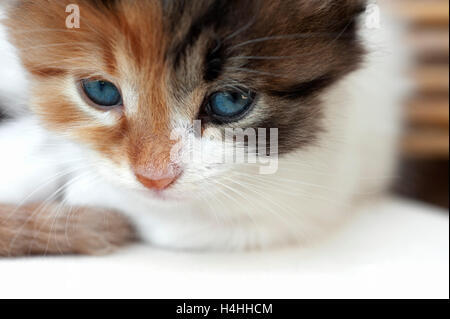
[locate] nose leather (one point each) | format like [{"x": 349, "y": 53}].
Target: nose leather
[{"x": 155, "y": 184}]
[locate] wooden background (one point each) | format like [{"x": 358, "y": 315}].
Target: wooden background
[{"x": 425, "y": 145}]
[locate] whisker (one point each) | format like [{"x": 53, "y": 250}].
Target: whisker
[
  {"x": 243, "y": 29},
  {"x": 43, "y": 206},
  {"x": 287, "y": 37},
  {"x": 247, "y": 70}
]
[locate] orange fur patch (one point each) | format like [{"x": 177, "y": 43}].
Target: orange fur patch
[{"x": 131, "y": 34}]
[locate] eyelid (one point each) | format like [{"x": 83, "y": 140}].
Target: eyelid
[{"x": 95, "y": 75}]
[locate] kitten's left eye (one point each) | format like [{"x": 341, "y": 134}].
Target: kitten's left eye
[
  {"x": 229, "y": 106},
  {"x": 102, "y": 93}
]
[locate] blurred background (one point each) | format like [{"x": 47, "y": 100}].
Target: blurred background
[{"x": 424, "y": 166}]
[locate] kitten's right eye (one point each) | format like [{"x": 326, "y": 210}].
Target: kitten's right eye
[{"x": 102, "y": 93}]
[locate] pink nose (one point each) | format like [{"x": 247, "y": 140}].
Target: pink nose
[{"x": 156, "y": 184}]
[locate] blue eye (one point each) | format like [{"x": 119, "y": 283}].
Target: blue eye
[
  {"x": 102, "y": 93},
  {"x": 230, "y": 106}
]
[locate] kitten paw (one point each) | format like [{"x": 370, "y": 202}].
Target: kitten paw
[{"x": 56, "y": 229}]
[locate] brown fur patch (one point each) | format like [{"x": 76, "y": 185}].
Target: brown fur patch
[
  {"x": 287, "y": 51},
  {"x": 54, "y": 229},
  {"x": 48, "y": 72}
]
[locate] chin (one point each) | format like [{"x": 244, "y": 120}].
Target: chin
[{"x": 168, "y": 196}]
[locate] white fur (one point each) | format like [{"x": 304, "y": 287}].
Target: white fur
[
  {"x": 13, "y": 82},
  {"x": 313, "y": 189}
]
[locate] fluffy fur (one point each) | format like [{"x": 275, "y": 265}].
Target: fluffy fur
[{"x": 329, "y": 85}]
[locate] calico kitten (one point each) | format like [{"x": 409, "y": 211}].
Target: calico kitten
[{"x": 106, "y": 99}]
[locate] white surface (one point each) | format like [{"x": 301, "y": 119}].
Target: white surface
[{"x": 391, "y": 249}]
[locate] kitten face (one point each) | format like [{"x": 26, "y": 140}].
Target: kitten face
[{"x": 170, "y": 60}]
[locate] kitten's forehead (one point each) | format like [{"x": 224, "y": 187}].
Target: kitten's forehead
[{"x": 299, "y": 40}]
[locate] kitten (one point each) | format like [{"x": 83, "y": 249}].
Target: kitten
[{"x": 97, "y": 162}]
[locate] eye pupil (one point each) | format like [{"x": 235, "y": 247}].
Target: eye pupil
[
  {"x": 229, "y": 106},
  {"x": 102, "y": 93}
]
